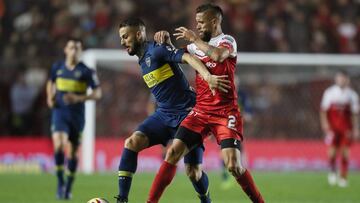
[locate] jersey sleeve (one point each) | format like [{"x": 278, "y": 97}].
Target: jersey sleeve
[
  {"x": 169, "y": 54},
  {"x": 92, "y": 79},
  {"x": 355, "y": 103},
  {"x": 325, "y": 102},
  {"x": 53, "y": 70},
  {"x": 229, "y": 43},
  {"x": 190, "y": 48}
]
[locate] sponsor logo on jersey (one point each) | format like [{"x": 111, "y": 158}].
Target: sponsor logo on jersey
[
  {"x": 159, "y": 75},
  {"x": 148, "y": 61},
  {"x": 59, "y": 72},
  {"x": 210, "y": 64},
  {"x": 77, "y": 74}
]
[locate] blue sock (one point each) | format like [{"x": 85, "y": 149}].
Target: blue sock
[
  {"x": 202, "y": 188},
  {"x": 59, "y": 166},
  {"x": 127, "y": 168},
  {"x": 72, "y": 165}
]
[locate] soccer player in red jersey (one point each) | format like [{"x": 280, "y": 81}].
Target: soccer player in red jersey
[
  {"x": 340, "y": 123},
  {"x": 218, "y": 114}
]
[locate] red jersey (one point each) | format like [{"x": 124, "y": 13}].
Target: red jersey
[
  {"x": 340, "y": 104},
  {"x": 221, "y": 102}
]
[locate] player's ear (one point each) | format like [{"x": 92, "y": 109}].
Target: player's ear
[{"x": 138, "y": 35}]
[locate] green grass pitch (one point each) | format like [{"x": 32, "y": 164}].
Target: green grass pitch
[{"x": 277, "y": 187}]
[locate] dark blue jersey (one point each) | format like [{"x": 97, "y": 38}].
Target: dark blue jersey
[
  {"x": 72, "y": 81},
  {"x": 167, "y": 82}
]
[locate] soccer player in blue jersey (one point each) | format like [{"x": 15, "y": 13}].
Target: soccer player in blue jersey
[
  {"x": 66, "y": 93},
  {"x": 174, "y": 98}
]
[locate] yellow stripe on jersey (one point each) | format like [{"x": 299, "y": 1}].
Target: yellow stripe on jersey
[
  {"x": 159, "y": 75},
  {"x": 70, "y": 85}
]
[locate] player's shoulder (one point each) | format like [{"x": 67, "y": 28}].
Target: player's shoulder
[
  {"x": 352, "y": 92},
  {"x": 58, "y": 64},
  {"x": 83, "y": 65},
  {"x": 331, "y": 89},
  {"x": 229, "y": 38}
]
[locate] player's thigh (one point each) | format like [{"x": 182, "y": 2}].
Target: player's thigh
[
  {"x": 76, "y": 123},
  {"x": 195, "y": 156},
  {"x": 155, "y": 131},
  {"x": 193, "y": 129},
  {"x": 59, "y": 129},
  {"x": 59, "y": 139}
]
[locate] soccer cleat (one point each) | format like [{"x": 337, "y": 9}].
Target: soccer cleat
[
  {"x": 332, "y": 179},
  {"x": 342, "y": 182},
  {"x": 60, "y": 191},
  {"x": 205, "y": 198},
  {"x": 121, "y": 199},
  {"x": 68, "y": 196}
]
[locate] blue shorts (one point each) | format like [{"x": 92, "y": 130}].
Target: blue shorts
[
  {"x": 159, "y": 133},
  {"x": 71, "y": 123}
]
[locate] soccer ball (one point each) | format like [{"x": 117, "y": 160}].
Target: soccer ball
[{"x": 98, "y": 200}]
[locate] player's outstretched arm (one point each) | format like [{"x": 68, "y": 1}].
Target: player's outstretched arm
[
  {"x": 215, "y": 81},
  {"x": 218, "y": 54},
  {"x": 355, "y": 122},
  {"x": 50, "y": 93}
]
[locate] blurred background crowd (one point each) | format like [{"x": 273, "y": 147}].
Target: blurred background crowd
[{"x": 32, "y": 35}]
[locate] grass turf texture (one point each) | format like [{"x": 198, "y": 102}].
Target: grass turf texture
[{"x": 291, "y": 187}]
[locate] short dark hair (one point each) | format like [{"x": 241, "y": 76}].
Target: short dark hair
[
  {"x": 74, "y": 39},
  {"x": 133, "y": 22},
  {"x": 210, "y": 7},
  {"x": 343, "y": 72}
]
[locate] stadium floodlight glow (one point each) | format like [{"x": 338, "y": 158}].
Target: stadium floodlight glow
[{"x": 93, "y": 57}]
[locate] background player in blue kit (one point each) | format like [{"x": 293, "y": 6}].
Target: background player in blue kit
[
  {"x": 174, "y": 98},
  {"x": 66, "y": 93}
]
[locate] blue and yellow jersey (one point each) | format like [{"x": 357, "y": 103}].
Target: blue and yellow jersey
[
  {"x": 167, "y": 82},
  {"x": 72, "y": 81}
]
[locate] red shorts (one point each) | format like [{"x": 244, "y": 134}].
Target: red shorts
[
  {"x": 339, "y": 139},
  {"x": 221, "y": 126}
]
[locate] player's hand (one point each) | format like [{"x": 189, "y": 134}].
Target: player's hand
[
  {"x": 355, "y": 134},
  {"x": 51, "y": 102},
  {"x": 186, "y": 34},
  {"x": 71, "y": 98},
  {"x": 329, "y": 137},
  {"x": 219, "y": 82},
  {"x": 162, "y": 36}
]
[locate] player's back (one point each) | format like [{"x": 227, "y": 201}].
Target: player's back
[
  {"x": 339, "y": 103},
  {"x": 164, "y": 77},
  {"x": 221, "y": 102}
]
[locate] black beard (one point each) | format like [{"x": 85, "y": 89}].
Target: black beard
[
  {"x": 135, "y": 49},
  {"x": 206, "y": 36}
]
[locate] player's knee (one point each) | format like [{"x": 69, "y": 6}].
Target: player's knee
[
  {"x": 235, "y": 169},
  {"x": 173, "y": 155},
  {"x": 193, "y": 172},
  {"x": 136, "y": 142}
]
